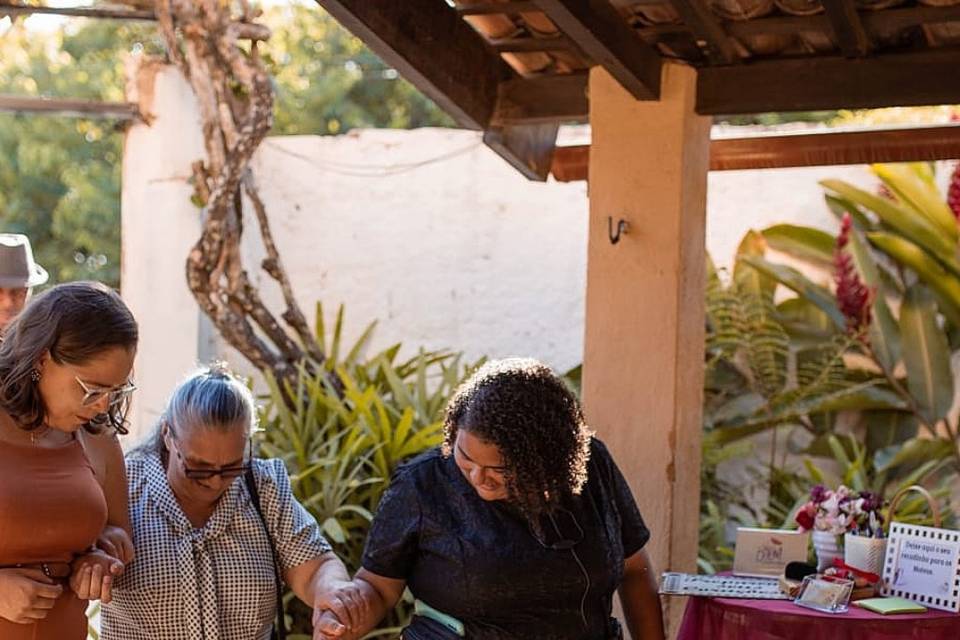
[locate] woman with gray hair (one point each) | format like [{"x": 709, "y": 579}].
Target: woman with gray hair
[{"x": 215, "y": 529}]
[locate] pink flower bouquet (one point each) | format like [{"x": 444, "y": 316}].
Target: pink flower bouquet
[{"x": 841, "y": 511}]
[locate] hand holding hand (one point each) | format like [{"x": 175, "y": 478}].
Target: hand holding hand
[
  {"x": 338, "y": 610},
  {"x": 116, "y": 542},
  {"x": 93, "y": 574},
  {"x": 326, "y": 626}
]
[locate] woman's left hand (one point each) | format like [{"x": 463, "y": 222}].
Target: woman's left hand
[
  {"x": 93, "y": 574},
  {"x": 346, "y": 601},
  {"x": 327, "y": 626}
]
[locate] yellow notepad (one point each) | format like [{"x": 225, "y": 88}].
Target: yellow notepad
[{"x": 890, "y": 605}]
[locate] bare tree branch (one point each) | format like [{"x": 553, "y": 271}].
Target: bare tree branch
[{"x": 235, "y": 99}]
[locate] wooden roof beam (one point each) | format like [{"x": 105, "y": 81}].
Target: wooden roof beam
[
  {"x": 817, "y": 83},
  {"x": 18, "y": 8},
  {"x": 124, "y": 111},
  {"x": 908, "y": 144},
  {"x": 706, "y": 28},
  {"x": 556, "y": 98},
  {"x": 428, "y": 43},
  {"x": 847, "y": 27},
  {"x": 604, "y": 36}
]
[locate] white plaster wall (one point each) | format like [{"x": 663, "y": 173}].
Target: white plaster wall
[
  {"x": 427, "y": 231},
  {"x": 738, "y": 201},
  {"x": 158, "y": 227},
  {"x": 461, "y": 253}
]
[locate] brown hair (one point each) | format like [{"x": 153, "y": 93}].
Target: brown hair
[{"x": 74, "y": 322}]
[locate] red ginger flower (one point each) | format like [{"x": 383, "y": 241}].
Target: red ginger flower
[
  {"x": 853, "y": 296},
  {"x": 953, "y": 192}
]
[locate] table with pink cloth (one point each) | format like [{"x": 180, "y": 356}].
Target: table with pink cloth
[{"x": 738, "y": 619}]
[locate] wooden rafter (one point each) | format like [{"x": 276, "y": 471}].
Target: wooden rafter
[
  {"x": 488, "y": 8},
  {"x": 69, "y": 107},
  {"x": 810, "y": 84},
  {"x": 554, "y": 43},
  {"x": 873, "y": 21},
  {"x": 603, "y": 35},
  {"x": 847, "y": 27},
  {"x": 913, "y": 144},
  {"x": 429, "y": 44},
  {"x": 704, "y": 24},
  {"x": 20, "y": 9},
  {"x": 557, "y": 98}
]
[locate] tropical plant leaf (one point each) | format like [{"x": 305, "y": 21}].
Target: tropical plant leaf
[
  {"x": 913, "y": 185},
  {"x": 883, "y": 333},
  {"x": 914, "y": 452},
  {"x": 805, "y": 243},
  {"x": 945, "y": 284},
  {"x": 745, "y": 277},
  {"x": 926, "y": 355},
  {"x": 917, "y": 229},
  {"x": 793, "y": 279},
  {"x": 839, "y": 206}
]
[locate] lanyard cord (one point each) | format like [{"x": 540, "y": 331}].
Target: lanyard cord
[{"x": 583, "y": 569}]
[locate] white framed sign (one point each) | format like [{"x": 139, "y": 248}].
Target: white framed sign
[{"x": 923, "y": 564}]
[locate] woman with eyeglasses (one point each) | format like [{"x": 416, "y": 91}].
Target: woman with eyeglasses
[
  {"x": 215, "y": 528},
  {"x": 520, "y": 526},
  {"x": 65, "y": 365}
]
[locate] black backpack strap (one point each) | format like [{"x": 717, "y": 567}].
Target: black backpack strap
[{"x": 279, "y": 629}]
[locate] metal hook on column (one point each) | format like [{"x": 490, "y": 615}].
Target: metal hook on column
[{"x": 623, "y": 227}]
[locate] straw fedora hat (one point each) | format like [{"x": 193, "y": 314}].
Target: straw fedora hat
[{"x": 17, "y": 268}]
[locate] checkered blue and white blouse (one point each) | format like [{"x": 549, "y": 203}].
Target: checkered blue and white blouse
[{"x": 212, "y": 583}]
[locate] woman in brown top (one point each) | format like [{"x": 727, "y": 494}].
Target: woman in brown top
[{"x": 65, "y": 364}]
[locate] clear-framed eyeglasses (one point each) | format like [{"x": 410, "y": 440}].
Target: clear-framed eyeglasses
[{"x": 92, "y": 395}]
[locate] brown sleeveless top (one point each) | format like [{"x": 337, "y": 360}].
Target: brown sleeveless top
[{"x": 51, "y": 510}]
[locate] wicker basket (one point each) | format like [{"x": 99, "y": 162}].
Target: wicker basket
[
  {"x": 867, "y": 554},
  {"x": 900, "y": 495},
  {"x": 863, "y": 553}
]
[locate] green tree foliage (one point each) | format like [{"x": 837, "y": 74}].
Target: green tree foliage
[{"x": 60, "y": 177}]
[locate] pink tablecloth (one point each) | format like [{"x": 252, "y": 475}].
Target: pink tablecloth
[{"x": 733, "y": 619}]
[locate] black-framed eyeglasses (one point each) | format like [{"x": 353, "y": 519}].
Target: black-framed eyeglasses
[
  {"x": 116, "y": 395},
  {"x": 554, "y": 537},
  {"x": 227, "y": 473}
]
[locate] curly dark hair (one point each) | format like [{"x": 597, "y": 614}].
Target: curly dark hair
[
  {"x": 523, "y": 408},
  {"x": 73, "y": 322}
]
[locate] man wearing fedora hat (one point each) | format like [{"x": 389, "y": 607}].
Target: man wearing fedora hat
[{"x": 18, "y": 274}]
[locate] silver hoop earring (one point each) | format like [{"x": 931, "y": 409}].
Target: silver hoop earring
[{"x": 35, "y": 376}]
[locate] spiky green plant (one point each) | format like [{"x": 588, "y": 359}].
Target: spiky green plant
[{"x": 343, "y": 429}]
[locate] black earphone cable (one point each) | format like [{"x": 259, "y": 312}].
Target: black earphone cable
[{"x": 583, "y": 569}]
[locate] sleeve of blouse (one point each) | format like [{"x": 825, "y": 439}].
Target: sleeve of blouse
[
  {"x": 392, "y": 543},
  {"x": 295, "y": 532},
  {"x": 633, "y": 530}
]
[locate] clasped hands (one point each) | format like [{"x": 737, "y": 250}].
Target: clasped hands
[
  {"x": 342, "y": 611},
  {"x": 93, "y": 573},
  {"x": 27, "y": 594}
]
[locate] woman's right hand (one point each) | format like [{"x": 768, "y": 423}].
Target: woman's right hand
[
  {"x": 26, "y": 595},
  {"x": 117, "y": 543}
]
